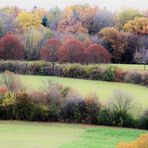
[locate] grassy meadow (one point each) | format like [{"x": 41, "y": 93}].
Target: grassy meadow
[
  {"x": 55, "y": 135},
  {"x": 104, "y": 90}
]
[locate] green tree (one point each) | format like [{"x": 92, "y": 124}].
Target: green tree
[{"x": 126, "y": 15}]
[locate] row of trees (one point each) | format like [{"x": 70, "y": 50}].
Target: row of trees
[
  {"x": 124, "y": 33},
  {"x": 71, "y": 50}
]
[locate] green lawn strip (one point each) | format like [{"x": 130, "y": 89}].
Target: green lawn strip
[
  {"x": 14, "y": 134},
  {"x": 104, "y": 137},
  {"x": 130, "y": 67},
  {"x": 104, "y": 90},
  {"x": 37, "y": 135}
]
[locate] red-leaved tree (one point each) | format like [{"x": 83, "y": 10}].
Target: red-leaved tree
[
  {"x": 11, "y": 47},
  {"x": 95, "y": 53},
  {"x": 71, "y": 51},
  {"x": 50, "y": 51}
]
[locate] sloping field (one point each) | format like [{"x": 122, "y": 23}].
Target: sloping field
[
  {"x": 52, "y": 135},
  {"x": 103, "y": 89}
]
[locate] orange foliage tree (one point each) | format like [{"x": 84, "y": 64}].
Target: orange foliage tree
[
  {"x": 115, "y": 42},
  {"x": 138, "y": 26}
]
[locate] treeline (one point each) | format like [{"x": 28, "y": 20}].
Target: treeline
[
  {"x": 62, "y": 104},
  {"x": 79, "y": 33}
]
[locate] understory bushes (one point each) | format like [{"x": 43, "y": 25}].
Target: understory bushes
[
  {"x": 62, "y": 104},
  {"x": 92, "y": 72}
]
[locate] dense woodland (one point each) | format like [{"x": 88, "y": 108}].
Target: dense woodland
[{"x": 78, "y": 34}]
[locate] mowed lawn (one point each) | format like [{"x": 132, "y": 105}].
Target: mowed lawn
[
  {"x": 15, "y": 134},
  {"x": 129, "y": 67},
  {"x": 104, "y": 90}
]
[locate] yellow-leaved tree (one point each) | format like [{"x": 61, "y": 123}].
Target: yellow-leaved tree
[
  {"x": 138, "y": 26},
  {"x": 29, "y": 20}
]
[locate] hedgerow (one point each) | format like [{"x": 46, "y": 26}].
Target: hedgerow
[{"x": 91, "y": 72}]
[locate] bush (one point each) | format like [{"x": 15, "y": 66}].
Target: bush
[
  {"x": 8, "y": 103},
  {"x": 121, "y": 106},
  {"x": 119, "y": 75},
  {"x": 11, "y": 82},
  {"x": 73, "y": 109},
  {"x": 144, "y": 120},
  {"x": 9, "y": 99},
  {"x": 92, "y": 109},
  {"x": 105, "y": 117},
  {"x": 40, "y": 113},
  {"x": 109, "y": 74},
  {"x": 3, "y": 90},
  {"x": 23, "y": 107},
  {"x": 133, "y": 77}
]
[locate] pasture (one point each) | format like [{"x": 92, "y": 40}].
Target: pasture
[
  {"x": 56, "y": 135},
  {"x": 104, "y": 90}
]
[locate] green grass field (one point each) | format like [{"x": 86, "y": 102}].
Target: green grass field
[
  {"x": 104, "y": 90},
  {"x": 128, "y": 67},
  {"x": 15, "y": 134}
]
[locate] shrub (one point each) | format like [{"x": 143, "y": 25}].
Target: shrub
[
  {"x": 11, "y": 81},
  {"x": 37, "y": 96},
  {"x": 119, "y": 75},
  {"x": 3, "y": 90},
  {"x": 109, "y": 74},
  {"x": 121, "y": 106},
  {"x": 54, "y": 99},
  {"x": 73, "y": 109},
  {"x": 133, "y": 77},
  {"x": 144, "y": 120},
  {"x": 105, "y": 117},
  {"x": 9, "y": 99},
  {"x": 141, "y": 142},
  {"x": 40, "y": 113},
  {"x": 92, "y": 109},
  {"x": 23, "y": 107},
  {"x": 8, "y": 103}
]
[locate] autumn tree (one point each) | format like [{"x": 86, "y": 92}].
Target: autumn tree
[
  {"x": 133, "y": 45},
  {"x": 72, "y": 20},
  {"x": 115, "y": 42},
  {"x": 99, "y": 19},
  {"x": 28, "y": 20},
  {"x": 11, "y": 47},
  {"x": 137, "y": 26},
  {"x": 95, "y": 53},
  {"x": 13, "y": 10},
  {"x": 8, "y": 23},
  {"x": 54, "y": 16},
  {"x": 50, "y": 51},
  {"x": 141, "y": 54},
  {"x": 71, "y": 26},
  {"x": 126, "y": 15},
  {"x": 35, "y": 39},
  {"x": 71, "y": 51}
]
